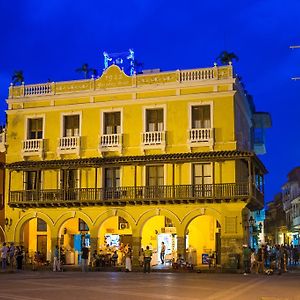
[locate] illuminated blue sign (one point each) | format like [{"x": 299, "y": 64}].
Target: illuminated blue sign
[{"x": 125, "y": 60}]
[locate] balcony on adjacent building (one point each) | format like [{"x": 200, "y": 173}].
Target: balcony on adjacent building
[
  {"x": 154, "y": 140},
  {"x": 69, "y": 145},
  {"x": 111, "y": 142},
  {"x": 33, "y": 147},
  {"x": 3, "y": 140},
  {"x": 201, "y": 137},
  {"x": 167, "y": 194}
]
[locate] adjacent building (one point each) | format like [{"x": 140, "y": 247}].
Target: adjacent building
[
  {"x": 291, "y": 206},
  {"x": 137, "y": 159}
]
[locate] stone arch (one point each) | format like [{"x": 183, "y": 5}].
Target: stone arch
[
  {"x": 198, "y": 212},
  {"x": 69, "y": 215},
  {"x": 28, "y": 216},
  {"x": 112, "y": 213},
  {"x": 153, "y": 212}
]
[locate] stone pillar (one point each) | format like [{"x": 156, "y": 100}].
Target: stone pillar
[
  {"x": 93, "y": 245},
  {"x": 231, "y": 252},
  {"x": 136, "y": 247},
  {"x": 181, "y": 246}
]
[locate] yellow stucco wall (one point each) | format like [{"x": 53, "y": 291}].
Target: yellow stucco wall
[{"x": 131, "y": 100}]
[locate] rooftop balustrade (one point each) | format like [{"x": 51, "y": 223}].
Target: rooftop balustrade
[{"x": 62, "y": 87}]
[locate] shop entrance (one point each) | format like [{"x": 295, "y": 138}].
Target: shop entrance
[
  {"x": 203, "y": 241},
  {"x": 156, "y": 230},
  {"x": 73, "y": 235},
  {"x": 170, "y": 241},
  {"x": 36, "y": 239}
]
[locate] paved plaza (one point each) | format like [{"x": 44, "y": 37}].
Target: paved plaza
[{"x": 44, "y": 285}]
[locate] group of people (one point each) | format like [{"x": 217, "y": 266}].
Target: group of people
[
  {"x": 121, "y": 256},
  {"x": 12, "y": 256},
  {"x": 268, "y": 259}
]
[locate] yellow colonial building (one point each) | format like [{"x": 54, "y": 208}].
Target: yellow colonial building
[{"x": 140, "y": 159}]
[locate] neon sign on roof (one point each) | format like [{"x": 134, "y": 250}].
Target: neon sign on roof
[{"x": 125, "y": 60}]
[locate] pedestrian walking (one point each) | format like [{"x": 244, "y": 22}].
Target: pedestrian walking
[
  {"x": 162, "y": 252},
  {"x": 147, "y": 259},
  {"x": 141, "y": 257},
  {"x": 84, "y": 258},
  {"x": 260, "y": 261},
  {"x": 19, "y": 258},
  {"x": 128, "y": 266},
  {"x": 11, "y": 253},
  {"x": 4, "y": 253},
  {"x": 56, "y": 259},
  {"x": 253, "y": 261},
  {"x": 246, "y": 259},
  {"x": 279, "y": 258}
]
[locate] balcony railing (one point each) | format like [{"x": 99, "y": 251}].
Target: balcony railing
[
  {"x": 3, "y": 141},
  {"x": 38, "y": 89},
  {"x": 32, "y": 147},
  {"x": 110, "y": 142},
  {"x": 123, "y": 195},
  {"x": 154, "y": 139},
  {"x": 69, "y": 145},
  {"x": 201, "y": 135}
]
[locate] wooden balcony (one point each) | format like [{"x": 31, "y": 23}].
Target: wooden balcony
[{"x": 167, "y": 194}]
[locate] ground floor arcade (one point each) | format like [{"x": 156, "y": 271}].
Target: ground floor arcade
[{"x": 193, "y": 231}]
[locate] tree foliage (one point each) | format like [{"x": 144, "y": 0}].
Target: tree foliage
[
  {"x": 226, "y": 57},
  {"x": 86, "y": 70},
  {"x": 17, "y": 77}
]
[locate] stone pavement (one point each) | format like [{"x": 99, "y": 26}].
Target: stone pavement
[{"x": 162, "y": 268}]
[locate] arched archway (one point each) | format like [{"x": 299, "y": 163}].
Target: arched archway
[
  {"x": 159, "y": 227},
  {"x": 34, "y": 232},
  {"x": 203, "y": 237},
  {"x": 72, "y": 231}
]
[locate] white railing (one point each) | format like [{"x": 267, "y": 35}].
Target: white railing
[
  {"x": 38, "y": 89},
  {"x": 3, "y": 141},
  {"x": 200, "y": 135},
  {"x": 2, "y": 137},
  {"x": 153, "y": 137},
  {"x": 69, "y": 143},
  {"x": 111, "y": 140},
  {"x": 51, "y": 88},
  {"x": 198, "y": 74},
  {"x": 34, "y": 145}
]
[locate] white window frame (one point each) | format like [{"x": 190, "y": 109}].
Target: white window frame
[
  {"x": 153, "y": 107},
  {"x": 112, "y": 110},
  {"x": 36, "y": 116},
  {"x": 70, "y": 114},
  {"x": 209, "y": 143}
]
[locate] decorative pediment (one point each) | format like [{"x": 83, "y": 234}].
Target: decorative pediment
[{"x": 113, "y": 77}]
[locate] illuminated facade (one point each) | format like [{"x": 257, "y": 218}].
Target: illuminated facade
[
  {"x": 291, "y": 206},
  {"x": 139, "y": 159}
]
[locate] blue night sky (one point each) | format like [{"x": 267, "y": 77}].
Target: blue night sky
[{"x": 50, "y": 39}]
